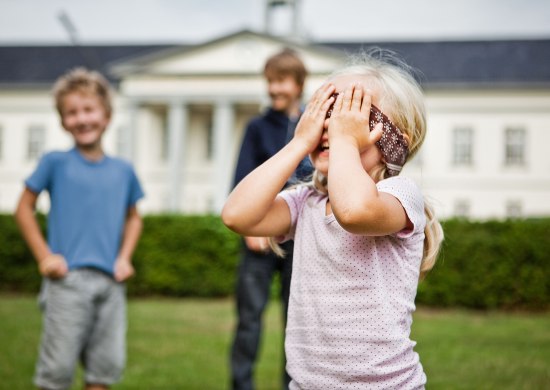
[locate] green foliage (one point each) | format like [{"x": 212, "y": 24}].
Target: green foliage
[
  {"x": 176, "y": 256},
  {"x": 491, "y": 264},
  {"x": 484, "y": 265},
  {"x": 18, "y": 271},
  {"x": 185, "y": 256}
]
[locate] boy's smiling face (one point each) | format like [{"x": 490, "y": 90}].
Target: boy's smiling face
[
  {"x": 284, "y": 92},
  {"x": 85, "y": 118}
]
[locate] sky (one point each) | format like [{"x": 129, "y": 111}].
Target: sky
[{"x": 196, "y": 21}]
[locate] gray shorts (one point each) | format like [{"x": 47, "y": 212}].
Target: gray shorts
[{"x": 84, "y": 318}]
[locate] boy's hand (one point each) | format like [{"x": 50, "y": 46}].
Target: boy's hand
[
  {"x": 310, "y": 126},
  {"x": 124, "y": 270},
  {"x": 350, "y": 118},
  {"x": 53, "y": 266}
]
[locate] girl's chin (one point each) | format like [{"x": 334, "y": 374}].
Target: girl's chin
[
  {"x": 323, "y": 155},
  {"x": 321, "y": 166}
]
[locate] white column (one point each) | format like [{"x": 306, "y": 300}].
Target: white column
[
  {"x": 132, "y": 132},
  {"x": 177, "y": 122},
  {"x": 224, "y": 118}
]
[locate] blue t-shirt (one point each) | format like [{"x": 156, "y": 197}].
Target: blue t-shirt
[{"x": 89, "y": 202}]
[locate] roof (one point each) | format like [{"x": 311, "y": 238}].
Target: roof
[
  {"x": 37, "y": 65},
  {"x": 502, "y": 63},
  {"x": 509, "y": 63},
  {"x": 243, "y": 52}
]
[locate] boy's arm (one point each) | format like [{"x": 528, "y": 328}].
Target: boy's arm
[
  {"x": 49, "y": 264},
  {"x": 132, "y": 231}
]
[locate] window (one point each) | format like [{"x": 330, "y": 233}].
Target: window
[
  {"x": 513, "y": 209},
  {"x": 35, "y": 146},
  {"x": 462, "y": 208},
  {"x": 463, "y": 146},
  {"x": 515, "y": 146}
]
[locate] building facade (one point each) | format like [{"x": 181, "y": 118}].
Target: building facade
[{"x": 180, "y": 114}]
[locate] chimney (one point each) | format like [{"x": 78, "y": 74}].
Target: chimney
[{"x": 282, "y": 18}]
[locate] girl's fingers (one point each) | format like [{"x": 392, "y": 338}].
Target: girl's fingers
[
  {"x": 376, "y": 133},
  {"x": 357, "y": 98},
  {"x": 321, "y": 100},
  {"x": 326, "y": 105},
  {"x": 338, "y": 102},
  {"x": 327, "y": 97},
  {"x": 348, "y": 95},
  {"x": 365, "y": 106},
  {"x": 367, "y": 101}
]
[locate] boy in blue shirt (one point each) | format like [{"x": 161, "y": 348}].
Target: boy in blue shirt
[{"x": 93, "y": 229}]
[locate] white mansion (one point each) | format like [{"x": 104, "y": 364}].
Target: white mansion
[{"x": 180, "y": 112}]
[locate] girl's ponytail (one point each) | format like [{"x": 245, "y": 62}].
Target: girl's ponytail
[{"x": 433, "y": 236}]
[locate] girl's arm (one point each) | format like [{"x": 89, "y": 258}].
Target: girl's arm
[
  {"x": 49, "y": 264},
  {"x": 253, "y": 208},
  {"x": 354, "y": 198},
  {"x": 132, "y": 231}
]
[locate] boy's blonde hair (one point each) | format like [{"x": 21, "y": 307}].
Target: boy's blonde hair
[
  {"x": 84, "y": 81},
  {"x": 401, "y": 98},
  {"x": 286, "y": 63}
]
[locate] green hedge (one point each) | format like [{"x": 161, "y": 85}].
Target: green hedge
[
  {"x": 18, "y": 270},
  {"x": 176, "y": 256},
  {"x": 482, "y": 264},
  {"x": 491, "y": 265},
  {"x": 185, "y": 256}
]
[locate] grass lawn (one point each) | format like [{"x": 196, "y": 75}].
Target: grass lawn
[{"x": 184, "y": 343}]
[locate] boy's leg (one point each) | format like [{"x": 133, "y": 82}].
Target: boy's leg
[
  {"x": 67, "y": 314},
  {"x": 104, "y": 356},
  {"x": 253, "y": 286}
]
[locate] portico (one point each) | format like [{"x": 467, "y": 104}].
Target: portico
[{"x": 187, "y": 110}]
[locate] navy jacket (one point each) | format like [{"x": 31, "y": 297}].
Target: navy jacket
[{"x": 265, "y": 135}]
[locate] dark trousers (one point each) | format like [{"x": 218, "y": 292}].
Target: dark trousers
[{"x": 256, "y": 272}]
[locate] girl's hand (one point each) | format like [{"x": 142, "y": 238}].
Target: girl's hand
[
  {"x": 310, "y": 126},
  {"x": 53, "y": 266},
  {"x": 257, "y": 244},
  {"x": 350, "y": 118}
]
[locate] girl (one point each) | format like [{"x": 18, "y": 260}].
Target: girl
[{"x": 363, "y": 235}]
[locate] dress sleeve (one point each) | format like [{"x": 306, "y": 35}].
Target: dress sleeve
[
  {"x": 410, "y": 197},
  {"x": 295, "y": 198}
]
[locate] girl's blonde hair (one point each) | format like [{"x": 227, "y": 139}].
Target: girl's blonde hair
[{"x": 401, "y": 98}]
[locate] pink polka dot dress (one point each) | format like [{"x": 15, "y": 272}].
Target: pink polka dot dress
[{"x": 352, "y": 297}]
